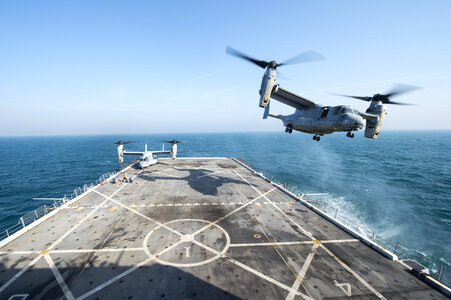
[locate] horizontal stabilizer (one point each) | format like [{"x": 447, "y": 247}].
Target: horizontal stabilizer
[{"x": 275, "y": 116}]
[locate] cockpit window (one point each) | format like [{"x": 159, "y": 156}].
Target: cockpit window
[{"x": 346, "y": 110}]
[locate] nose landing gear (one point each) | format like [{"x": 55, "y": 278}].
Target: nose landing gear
[
  {"x": 350, "y": 135},
  {"x": 289, "y": 128},
  {"x": 316, "y": 138}
]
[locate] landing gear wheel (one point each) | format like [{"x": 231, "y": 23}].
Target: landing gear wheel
[
  {"x": 317, "y": 138},
  {"x": 314, "y": 137},
  {"x": 348, "y": 134},
  {"x": 352, "y": 135},
  {"x": 286, "y": 129},
  {"x": 290, "y": 128}
]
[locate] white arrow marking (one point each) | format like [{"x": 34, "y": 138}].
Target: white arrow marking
[{"x": 342, "y": 286}]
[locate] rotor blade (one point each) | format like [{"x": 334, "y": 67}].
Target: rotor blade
[
  {"x": 282, "y": 76},
  {"x": 173, "y": 142},
  {"x": 400, "y": 89},
  {"x": 122, "y": 143},
  {"x": 307, "y": 56},
  {"x": 261, "y": 63},
  {"x": 398, "y": 103},
  {"x": 355, "y": 97}
]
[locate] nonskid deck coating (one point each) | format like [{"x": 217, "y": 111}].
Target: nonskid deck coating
[{"x": 196, "y": 228}]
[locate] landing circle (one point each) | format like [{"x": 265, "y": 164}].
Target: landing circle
[{"x": 186, "y": 243}]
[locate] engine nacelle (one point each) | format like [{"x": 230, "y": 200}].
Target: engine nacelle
[
  {"x": 120, "y": 153},
  {"x": 373, "y": 127},
  {"x": 174, "y": 150},
  {"x": 268, "y": 80}
]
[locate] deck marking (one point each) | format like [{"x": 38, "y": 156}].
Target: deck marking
[
  {"x": 3, "y": 287},
  {"x": 277, "y": 251},
  {"x": 293, "y": 243},
  {"x": 257, "y": 236},
  {"x": 112, "y": 280},
  {"x": 126, "y": 272},
  {"x": 297, "y": 283},
  {"x": 327, "y": 250},
  {"x": 190, "y": 238},
  {"x": 138, "y": 213},
  {"x": 354, "y": 273},
  {"x": 96, "y": 250},
  {"x": 187, "y": 251},
  {"x": 342, "y": 286},
  {"x": 19, "y": 296},
  {"x": 253, "y": 271},
  {"x": 55, "y": 243},
  {"x": 59, "y": 278},
  {"x": 85, "y": 218},
  {"x": 212, "y": 173},
  {"x": 234, "y": 211}
]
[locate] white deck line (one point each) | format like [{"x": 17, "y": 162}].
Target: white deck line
[
  {"x": 59, "y": 278},
  {"x": 327, "y": 250},
  {"x": 292, "y": 243},
  {"x": 55, "y": 211},
  {"x": 317, "y": 210},
  {"x": 302, "y": 272}
]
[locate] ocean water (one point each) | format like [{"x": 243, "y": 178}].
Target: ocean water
[{"x": 398, "y": 186}]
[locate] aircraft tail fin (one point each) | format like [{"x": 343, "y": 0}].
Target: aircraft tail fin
[{"x": 266, "y": 112}]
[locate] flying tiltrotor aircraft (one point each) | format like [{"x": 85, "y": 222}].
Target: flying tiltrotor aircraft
[
  {"x": 314, "y": 118},
  {"x": 147, "y": 158}
]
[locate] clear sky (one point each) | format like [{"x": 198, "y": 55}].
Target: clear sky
[{"x": 94, "y": 67}]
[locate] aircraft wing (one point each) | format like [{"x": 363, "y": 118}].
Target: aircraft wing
[
  {"x": 290, "y": 98},
  {"x": 371, "y": 117},
  {"x": 161, "y": 152},
  {"x": 133, "y": 153}
]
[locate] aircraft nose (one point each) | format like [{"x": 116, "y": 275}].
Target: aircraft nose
[{"x": 356, "y": 121}]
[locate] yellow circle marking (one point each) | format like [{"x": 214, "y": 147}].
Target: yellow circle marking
[
  {"x": 187, "y": 210},
  {"x": 44, "y": 251},
  {"x": 289, "y": 204},
  {"x": 257, "y": 236},
  {"x": 79, "y": 209},
  {"x": 113, "y": 208},
  {"x": 318, "y": 242},
  {"x": 259, "y": 205}
]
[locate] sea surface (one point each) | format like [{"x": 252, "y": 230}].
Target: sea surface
[{"x": 398, "y": 186}]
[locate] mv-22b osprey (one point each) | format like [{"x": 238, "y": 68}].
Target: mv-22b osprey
[
  {"x": 314, "y": 118},
  {"x": 147, "y": 158}
]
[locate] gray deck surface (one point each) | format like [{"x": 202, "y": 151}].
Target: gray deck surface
[{"x": 196, "y": 229}]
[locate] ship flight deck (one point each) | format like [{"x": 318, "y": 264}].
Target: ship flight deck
[{"x": 196, "y": 228}]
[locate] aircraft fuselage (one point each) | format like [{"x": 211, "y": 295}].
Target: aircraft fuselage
[{"x": 324, "y": 120}]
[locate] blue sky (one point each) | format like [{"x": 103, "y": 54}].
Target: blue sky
[{"x": 94, "y": 67}]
